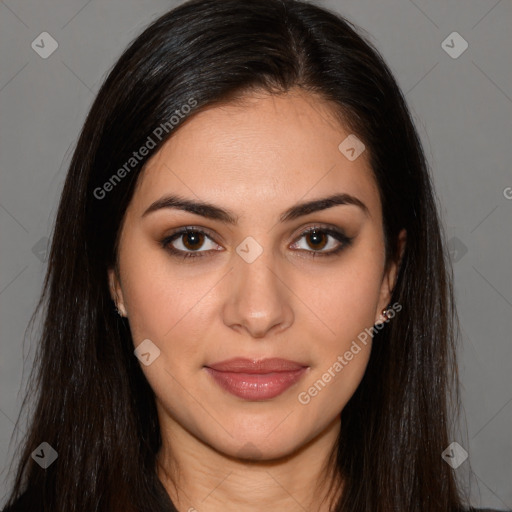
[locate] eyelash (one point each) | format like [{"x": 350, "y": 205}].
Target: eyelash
[{"x": 338, "y": 235}]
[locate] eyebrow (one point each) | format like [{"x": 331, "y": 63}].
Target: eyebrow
[{"x": 213, "y": 212}]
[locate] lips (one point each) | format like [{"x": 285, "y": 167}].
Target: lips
[
  {"x": 256, "y": 379},
  {"x": 241, "y": 365}
]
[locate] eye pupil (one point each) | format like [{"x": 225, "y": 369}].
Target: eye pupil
[
  {"x": 192, "y": 238},
  {"x": 318, "y": 237}
]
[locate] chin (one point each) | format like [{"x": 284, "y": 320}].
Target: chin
[{"x": 258, "y": 446}]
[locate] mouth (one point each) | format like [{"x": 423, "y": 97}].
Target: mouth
[{"x": 256, "y": 379}]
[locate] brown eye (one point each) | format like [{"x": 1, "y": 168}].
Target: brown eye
[
  {"x": 317, "y": 239},
  {"x": 189, "y": 242},
  {"x": 192, "y": 240}
]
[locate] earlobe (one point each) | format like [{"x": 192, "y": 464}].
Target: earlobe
[{"x": 115, "y": 292}]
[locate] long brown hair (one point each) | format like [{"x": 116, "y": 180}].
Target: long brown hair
[{"x": 93, "y": 404}]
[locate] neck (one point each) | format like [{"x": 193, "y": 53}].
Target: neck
[{"x": 198, "y": 477}]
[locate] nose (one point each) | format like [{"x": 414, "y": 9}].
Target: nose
[{"x": 258, "y": 297}]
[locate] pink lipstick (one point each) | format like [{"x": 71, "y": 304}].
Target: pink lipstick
[{"x": 256, "y": 379}]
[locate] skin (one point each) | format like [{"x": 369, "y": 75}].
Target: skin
[{"x": 256, "y": 158}]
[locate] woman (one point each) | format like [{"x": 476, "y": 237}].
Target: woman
[{"x": 250, "y": 194}]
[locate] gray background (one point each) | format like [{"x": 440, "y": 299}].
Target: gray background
[{"x": 463, "y": 111}]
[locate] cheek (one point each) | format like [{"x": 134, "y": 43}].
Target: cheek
[
  {"x": 166, "y": 302},
  {"x": 341, "y": 354},
  {"x": 346, "y": 313},
  {"x": 174, "y": 309},
  {"x": 173, "y": 312},
  {"x": 345, "y": 297}
]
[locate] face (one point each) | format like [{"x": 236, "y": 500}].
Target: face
[{"x": 269, "y": 269}]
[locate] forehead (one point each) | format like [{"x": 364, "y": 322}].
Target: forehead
[{"x": 263, "y": 150}]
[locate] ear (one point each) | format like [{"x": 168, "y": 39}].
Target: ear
[
  {"x": 115, "y": 290},
  {"x": 389, "y": 279}
]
